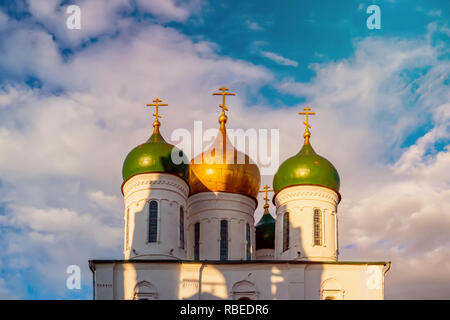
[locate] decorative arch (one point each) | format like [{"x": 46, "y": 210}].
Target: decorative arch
[
  {"x": 144, "y": 290},
  {"x": 331, "y": 289},
  {"x": 244, "y": 290}
]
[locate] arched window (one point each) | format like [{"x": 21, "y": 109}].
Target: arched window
[
  {"x": 224, "y": 240},
  {"x": 197, "y": 241},
  {"x": 331, "y": 289},
  {"x": 286, "y": 231},
  {"x": 181, "y": 228},
  {"x": 247, "y": 235},
  {"x": 244, "y": 290},
  {"x": 145, "y": 291},
  {"x": 317, "y": 227},
  {"x": 153, "y": 221},
  {"x": 127, "y": 226}
]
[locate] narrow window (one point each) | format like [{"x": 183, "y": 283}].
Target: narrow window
[
  {"x": 197, "y": 241},
  {"x": 317, "y": 227},
  {"x": 224, "y": 240},
  {"x": 153, "y": 221},
  {"x": 249, "y": 256},
  {"x": 181, "y": 228},
  {"x": 286, "y": 231},
  {"x": 127, "y": 226}
]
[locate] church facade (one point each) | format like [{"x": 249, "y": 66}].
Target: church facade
[{"x": 190, "y": 231}]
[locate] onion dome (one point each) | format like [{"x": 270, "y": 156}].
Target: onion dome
[
  {"x": 265, "y": 228},
  {"x": 223, "y": 168},
  {"x": 307, "y": 168},
  {"x": 155, "y": 155}
]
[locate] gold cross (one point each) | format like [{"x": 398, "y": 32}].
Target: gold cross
[
  {"x": 266, "y": 190},
  {"x": 307, "y": 113},
  {"x": 157, "y": 104},
  {"x": 223, "y": 94}
]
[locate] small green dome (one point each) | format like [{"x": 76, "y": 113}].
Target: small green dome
[
  {"x": 154, "y": 156},
  {"x": 306, "y": 168},
  {"x": 265, "y": 232}
]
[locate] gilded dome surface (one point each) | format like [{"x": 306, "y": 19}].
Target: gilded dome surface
[
  {"x": 306, "y": 168},
  {"x": 224, "y": 169},
  {"x": 155, "y": 155}
]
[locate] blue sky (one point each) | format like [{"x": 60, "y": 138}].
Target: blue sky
[{"x": 72, "y": 106}]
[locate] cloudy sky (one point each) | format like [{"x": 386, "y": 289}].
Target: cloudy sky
[{"x": 72, "y": 105}]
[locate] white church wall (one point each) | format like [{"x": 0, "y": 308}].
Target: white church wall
[
  {"x": 258, "y": 281},
  {"x": 170, "y": 192},
  {"x": 300, "y": 202},
  {"x": 208, "y": 209},
  {"x": 265, "y": 254},
  {"x": 362, "y": 281}
]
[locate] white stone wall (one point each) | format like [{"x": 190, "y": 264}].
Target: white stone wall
[
  {"x": 203, "y": 280},
  {"x": 300, "y": 202},
  {"x": 265, "y": 254},
  {"x": 209, "y": 208},
  {"x": 171, "y": 193}
]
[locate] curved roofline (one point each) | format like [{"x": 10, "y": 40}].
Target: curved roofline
[
  {"x": 242, "y": 194},
  {"x": 308, "y": 184},
  {"x": 124, "y": 181}
]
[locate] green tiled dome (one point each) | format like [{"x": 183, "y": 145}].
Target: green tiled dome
[
  {"x": 265, "y": 232},
  {"x": 154, "y": 156},
  {"x": 306, "y": 168}
]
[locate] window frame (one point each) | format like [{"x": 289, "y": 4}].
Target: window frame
[
  {"x": 197, "y": 241},
  {"x": 181, "y": 229},
  {"x": 223, "y": 243},
  {"x": 286, "y": 231},
  {"x": 153, "y": 216},
  {"x": 317, "y": 227},
  {"x": 248, "y": 239}
]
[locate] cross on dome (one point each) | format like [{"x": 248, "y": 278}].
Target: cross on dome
[
  {"x": 224, "y": 93},
  {"x": 157, "y": 104},
  {"x": 266, "y": 198},
  {"x": 307, "y": 134}
]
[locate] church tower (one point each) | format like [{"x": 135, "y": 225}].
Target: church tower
[
  {"x": 265, "y": 232},
  {"x": 155, "y": 192},
  {"x": 306, "y": 190},
  {"x": 224, "y": 184}
]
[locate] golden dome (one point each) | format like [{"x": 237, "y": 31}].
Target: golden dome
[{"x": 223, "y": 168}]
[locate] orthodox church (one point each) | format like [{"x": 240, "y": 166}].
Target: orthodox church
[{"x": 190, "y": 231}]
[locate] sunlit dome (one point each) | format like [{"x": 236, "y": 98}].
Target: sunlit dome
[
  {"x": 223, "y": 168},
  {"x": 155, "y": 155},
  {"x": 306, "y": 168}
]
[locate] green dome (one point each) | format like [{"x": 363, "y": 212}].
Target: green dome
[
  {"x": 265, "y": 232},
  {"x": 154, "y": 156},
  {"x": 306, "y": 168}
]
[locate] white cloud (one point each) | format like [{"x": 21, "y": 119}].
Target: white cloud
[
  {"x": 104, "y": 201},
  {"x": 434, "y": 13},
  {"x": 61, "y": 154},
  {"x": 5, "y": 293},
  {"x": 395, "y": 199},
  {"x": 3, "y": 19},
  {"x": 252, "y": 25},
  {"x": 171, "y": 9},
  {"x": 57, "y": 146},
  {"x": 279, "y": 59},
  {"x": 102, "y": 18}
]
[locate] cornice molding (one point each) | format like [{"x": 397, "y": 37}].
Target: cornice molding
[
  {"x": 306, "y": 193},
  {"x": 155, "y": 180}
]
